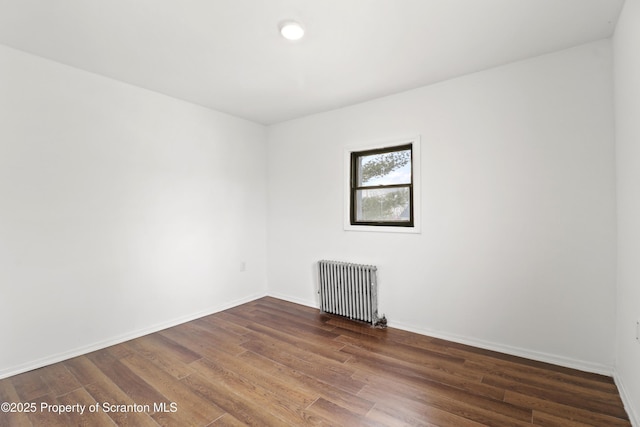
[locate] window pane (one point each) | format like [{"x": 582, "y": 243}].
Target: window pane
[
  {"x": 385, "y": 169},
  {"x": 384, "y": 204}
]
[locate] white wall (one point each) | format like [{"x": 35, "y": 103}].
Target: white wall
[
  {"x": 517, "y": 250},
  {"x": 121, "y": 211},
  {"x": 627, "y": 107}
]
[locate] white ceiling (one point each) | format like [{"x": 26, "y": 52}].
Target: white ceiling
[{"x": 229, "y": 56}]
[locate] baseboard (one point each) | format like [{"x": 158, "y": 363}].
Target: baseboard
[
  {"x": 49, "y": 360},
  {"x": 634, "y": 417},
  {"x": 566, "y": 362}
]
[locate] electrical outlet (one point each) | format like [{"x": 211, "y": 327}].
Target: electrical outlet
[{"x": 243, "y": 266}]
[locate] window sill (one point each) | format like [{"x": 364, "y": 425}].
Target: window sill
[{"x": 382, "y": 229}]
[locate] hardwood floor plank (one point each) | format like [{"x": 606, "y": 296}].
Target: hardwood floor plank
[
  {"x": 216, "y": 321},
  {"x": 43, "y": 417},
  {"x": 58, "y": 379},
  {"x": 376, "y": 367},
  {"x": 585, "y": 401},
  {"x": 327, "y": 345},
  {"x": 534, "y": 375},
  {"x": 446, "y": 398},
  {"x": 220, "y": 334},
  {"x": 310, "y": 321},
  {"x": 525, "y": 364},
  {"x": 543, "y": 419},
  {"x": 344, "y": 326},
  {"x": 17, "y": 419},
  {"x": 119, "y": 351},
  {"x": 87, "y": 417},
  {"x": 250, "y": 412},
  {"x": 336, "y": 415},
  {"x": 388, "y": 416},
  {"x": 191, "y": 408},
  {"x": 407, "y": 353},
  {"x": 424, "y": 416},
  {"x": 289, "y": 323},
  {"x": 230, "y": 317},
  {"x": 565, "y": 411},
  {"x": 427, "y": 367},
  {"x": 179, "y": 418},
  {"x": 164, "y": 344},
  {"x": 298, "y": 347},
  {"x": 330, "y": 374},
  {"x": 12, "y": 419},
  {"x": 84, "y": 370},
  {"x": 281, "y": 387},
  {"x": 274, "y": 363},
  {"x": 212, "y": 338},
  {"x": 302, "y": 382},
  {"x": 515, "y": 364},
  {"x": 227, "y": 420},
  {"x": 396, "y": 400},
  {"x": 282, "y": 306},
  {"x": 191, "y": 342},
  {"x": 269, "y": 401},
  {"x": 135, "y": 387},
  {"x": 157, "y": 352},
  {"x": 30, "y": 385},
  {"x": 266, "y": 313},
  {"x": 106, "y": 392}
]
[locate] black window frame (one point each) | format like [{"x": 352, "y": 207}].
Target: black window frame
[{"x": 355, "y": 155}]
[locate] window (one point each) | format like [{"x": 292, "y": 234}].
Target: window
[{"x": 382, "y": 187}]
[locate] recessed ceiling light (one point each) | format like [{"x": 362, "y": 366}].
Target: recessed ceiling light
[{"x": 291, "y": 30}]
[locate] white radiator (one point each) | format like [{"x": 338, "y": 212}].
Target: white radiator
[{"x": 350, "y": 290}]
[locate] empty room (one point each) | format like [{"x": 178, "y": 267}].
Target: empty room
[{"x": 330, "y": 212}]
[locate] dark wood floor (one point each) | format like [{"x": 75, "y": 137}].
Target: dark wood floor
[{"x": 274, "y": 363}]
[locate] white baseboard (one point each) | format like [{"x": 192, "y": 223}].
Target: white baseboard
[
  {"x": 634, "y": 417},
  {"x": 49, "y": 360}
]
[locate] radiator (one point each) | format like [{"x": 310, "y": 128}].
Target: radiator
[{"x": 350, "y": 290}]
